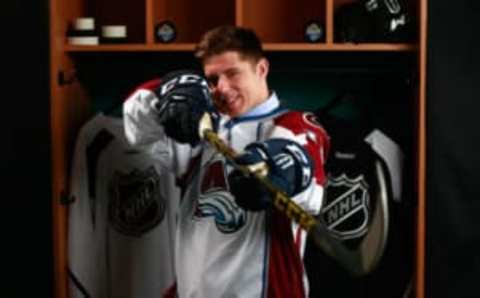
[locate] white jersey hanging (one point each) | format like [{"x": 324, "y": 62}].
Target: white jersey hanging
[{"x": 121, "y": 221}]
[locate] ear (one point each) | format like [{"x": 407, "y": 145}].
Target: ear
[{"x": 262, "y": 68}]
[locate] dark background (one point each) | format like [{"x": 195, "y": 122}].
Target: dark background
[
  {"x": 453, "y": 160},
  {"x": 25, "y": 212},
  {"x": 453, "y": 199}
]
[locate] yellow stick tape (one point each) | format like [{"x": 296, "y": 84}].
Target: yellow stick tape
[{"x": 280, "y": 200}]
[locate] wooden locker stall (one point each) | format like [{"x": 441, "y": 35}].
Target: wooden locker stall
[{"x": 279, "y": 23}]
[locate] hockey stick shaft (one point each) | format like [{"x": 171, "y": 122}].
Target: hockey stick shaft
[{"x": 281, "y": 201}]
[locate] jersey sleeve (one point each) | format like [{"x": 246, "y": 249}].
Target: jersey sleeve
[
  {"x": 85, "y": 278},
  {"x": 144, "y": 132},
  {"x": 304, "y": 129}
]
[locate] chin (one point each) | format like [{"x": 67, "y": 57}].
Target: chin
[
  {"x": 235, "y": 112},
  {"x": 231, "y": 114}
]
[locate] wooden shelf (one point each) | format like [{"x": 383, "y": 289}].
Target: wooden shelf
[
  {"x": 132, "y": 48},
  {"x": 185, "y": 47},
  {"x": 339, "y": 47}
]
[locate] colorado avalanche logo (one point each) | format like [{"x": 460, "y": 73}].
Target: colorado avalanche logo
[
  {"x": 346, "y": 206},
  {"x": 215, "y": 201},
  {"x": 228, "y": 217},
  {"x": 136, "y": 205}
]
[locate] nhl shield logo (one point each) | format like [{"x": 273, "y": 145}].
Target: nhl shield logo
[
  {"x": 346, "y": 206},
  {"x": 136, "y": 205}
]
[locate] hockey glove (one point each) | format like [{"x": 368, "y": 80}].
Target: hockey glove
[
  {"x": 183, "y": 98},
  {"x": 290, "y": 169}
]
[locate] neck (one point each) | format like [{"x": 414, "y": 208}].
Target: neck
[{"x": 264, "y": 93}]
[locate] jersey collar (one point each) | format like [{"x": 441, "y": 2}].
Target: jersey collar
[{"x": 267, "y": 108}]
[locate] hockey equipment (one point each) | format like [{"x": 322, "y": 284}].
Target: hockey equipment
[
  {"x": 373, "y": 21},
  {"x": 353, "y": 23},
  {"x": 355, "y": 205},
  {"x": 114, "y": 34},
  {"x": 165, "y": 32},
  {"x": 280, "y": 200},
  {"x": 182, "y": 99},
  {"x": 248, "y": 192},
  {"x": 314, "y": 32},
  {"x": 290, "y": 170},
  {"x": 332, "y": 246},
  {"x": 391, "y": 20}
]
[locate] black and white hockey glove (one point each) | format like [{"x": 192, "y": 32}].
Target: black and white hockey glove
[
  {"x": 290, "y": 169},
  {"x": 182, "y": 99}
]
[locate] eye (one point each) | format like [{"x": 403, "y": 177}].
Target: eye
[
  {"x": 212, "y": 81},
  {"x": 231, "y": 73}
]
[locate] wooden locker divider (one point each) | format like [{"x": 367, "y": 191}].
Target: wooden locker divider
[{"x": 421, "y": 154}]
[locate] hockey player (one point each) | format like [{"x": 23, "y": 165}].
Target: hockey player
[{"x": 230, "y": 240}]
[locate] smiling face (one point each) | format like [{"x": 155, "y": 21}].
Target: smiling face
[{"x": 237, "y": 84}]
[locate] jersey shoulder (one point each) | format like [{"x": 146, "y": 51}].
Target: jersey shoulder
[
  {"x": 311, "y": 135},
  {"x": 301, "y": 122},
  {"x": 150, "y": 85}
]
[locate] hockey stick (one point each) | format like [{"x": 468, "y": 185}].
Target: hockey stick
[
  {"x": 281, "y": 201},
  {"x": 349, "y": 259}
]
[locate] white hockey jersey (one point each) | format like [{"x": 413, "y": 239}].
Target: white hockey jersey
[
  {"x": 120, "y": 239},
  {"x": 221, "y": 249},
  {"x": 394, "y": 158}
]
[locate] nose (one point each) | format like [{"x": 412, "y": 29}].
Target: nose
[{"x": 222, "y": 84}]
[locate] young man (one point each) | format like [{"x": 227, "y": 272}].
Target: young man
[{"x": 230, "y": 240}]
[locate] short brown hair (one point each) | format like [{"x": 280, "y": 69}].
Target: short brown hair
[{"x": 230, "y": 38}]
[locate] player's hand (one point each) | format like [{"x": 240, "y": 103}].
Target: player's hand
[
  {"x": 290, "y": 169},
  {"x": 183, "y": 98}
]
